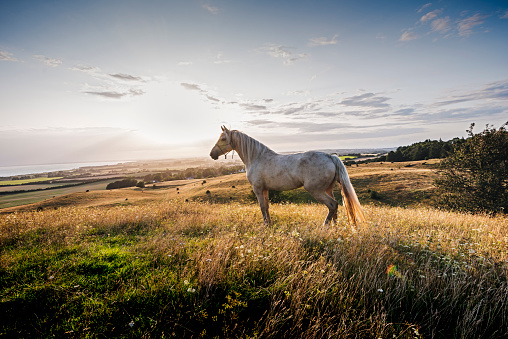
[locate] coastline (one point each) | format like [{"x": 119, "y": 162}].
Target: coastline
[{"x": 9, "y": 171}]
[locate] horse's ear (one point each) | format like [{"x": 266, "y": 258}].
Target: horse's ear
[{"x": 222, "y": 128}]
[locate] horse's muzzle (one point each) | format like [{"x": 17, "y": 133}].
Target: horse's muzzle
[{"x": 214, "y": 155}]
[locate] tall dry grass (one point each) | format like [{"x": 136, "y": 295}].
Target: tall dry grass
[{"x": 214, "y": 270}]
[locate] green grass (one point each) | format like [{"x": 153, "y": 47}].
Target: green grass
[
  {"x": 195, "y": 269},
  {"x": 26, "y": 181}
]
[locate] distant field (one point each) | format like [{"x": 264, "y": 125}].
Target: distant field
[
  {"x": 19, "y": 199},
  {"x": 347, "y": 157},
  {"x": 26, "y": 181}
]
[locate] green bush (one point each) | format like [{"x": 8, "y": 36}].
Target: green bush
[{"x": 474, "y": 178}]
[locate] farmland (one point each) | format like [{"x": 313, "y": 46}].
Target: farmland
[
  {"x": 26, "y": 181},
  {"x": 191, "y": 258}
]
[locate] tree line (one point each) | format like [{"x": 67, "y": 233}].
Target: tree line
[
  {"x": 424, "y": 150},
  {"x": 192, "y": 173},
  {"x": 169, "y": 175}
]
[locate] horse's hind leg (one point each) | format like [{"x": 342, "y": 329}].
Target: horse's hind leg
[
  {"x": 329, "y": 191},
  {"x": 262, "y": 196},
  {"x": 331, "y": 203}
]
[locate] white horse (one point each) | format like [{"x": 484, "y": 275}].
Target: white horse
[{"x": 317, "y": 172}]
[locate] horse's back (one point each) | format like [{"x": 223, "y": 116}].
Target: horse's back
[{"x": 289, "y": 171}]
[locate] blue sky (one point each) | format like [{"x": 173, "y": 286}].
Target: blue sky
[{"x": 127, "y": 80}]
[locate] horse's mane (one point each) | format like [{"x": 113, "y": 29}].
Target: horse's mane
[{"x": 247, "y": 147}]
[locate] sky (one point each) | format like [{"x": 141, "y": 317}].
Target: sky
[{"x": 132, "y": 80}]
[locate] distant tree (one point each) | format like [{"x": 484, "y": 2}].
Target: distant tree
[
  {"x": 474, "y": 177},
  {"x": 140, "y": 184},
  {"x": 129, "y": 182}
]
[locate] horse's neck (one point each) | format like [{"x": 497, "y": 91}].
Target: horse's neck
[{"x": 249, "y": 149}]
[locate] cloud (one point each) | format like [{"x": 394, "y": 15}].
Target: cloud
[
  {"x": 113, "y": 85},
  {"x": 424, "y": 6},
  {"x": 441, "y": 25},
  {"x": 253, "y": 107},
  {"x": 466, "y": 25},
  {"x": 408, "y": 35},
  {"x": 366, "y": 100},
  {"x": 185, "y": 63},
  {"x": 86, "y": 69},
  {"x": 497, "y": 90},
  {"x": 116, "y": 95},
  {"x": 448, "y": 26},
  {"x": 283, "y": 52},
  {"x": 431, "y": 15},
  {"x": 211, "y": 98},
  {"x": 126, "y": 77},
  {"x": 6, "y": 56},
  {"x": 322, "y": 41},
  {"x": 313, "y": 127},
  {"x": 259, "y": 122},
  {"x": 504, "y": 15},
  {"x": 191, "y": 87},
  {"x": 51, "y": 62},
  {"x": 220, "y": 60},
  {"x": 212, "y": 9},
  {"x": 297, "y": 108},
  {"x": 203, "y": 92}
]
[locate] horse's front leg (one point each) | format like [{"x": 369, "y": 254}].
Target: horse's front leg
[{"x": 262, "y": 195}]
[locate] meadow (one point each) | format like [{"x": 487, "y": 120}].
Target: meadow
[
  {"x": 184, "y": 263},
  {"x": 26, "y": 181}
]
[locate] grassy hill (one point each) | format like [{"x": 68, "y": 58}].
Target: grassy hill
[{"x": 187, "y": 264}]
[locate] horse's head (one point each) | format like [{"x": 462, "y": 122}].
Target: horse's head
[{"x": 223, "y": 145}]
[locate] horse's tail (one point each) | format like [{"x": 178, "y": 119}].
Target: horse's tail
[{"x": 349, "y": 198}]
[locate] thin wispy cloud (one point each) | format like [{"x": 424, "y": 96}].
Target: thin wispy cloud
[
  {"x": 205, "y": 93},
  {"x": 6, "y": 56},
  {"x": 424, "y": 6},
  {"x": 408, "y": 35},
  {"x": 115, "y": 94},
  {"x": 431, "y": 15},
  {"x": 367, "y": 100},
  {"x": 126, "y": 77},
  {"x": 448, "y": 25},
  {"x": 298, "y": 108},
  {"x": 212, "y": 9},
  {"x": 192, "y": 87},
  {"x": 465, "y": 26},
  {"x": 220, "y": 59},
  {"x": 86, "y": 69},
  {"x": 113, "y": 85},
  {"x": 51, "y": 62},
  {"x": 504, "y": 15},
  {"x": 497, "y": 90},
  {"x": 323, "y": 41},
  {"x": 253, "y": 107},
  {"x": 441, "y": 25},
  {"x": 282, "y": 52}
]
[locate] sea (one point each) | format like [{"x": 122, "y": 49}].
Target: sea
[{"x": 9, "y": 171}]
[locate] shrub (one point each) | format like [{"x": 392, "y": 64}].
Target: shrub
[
  {"x": 474, "y": 177},
  {"x": 129, "y": 182}
]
